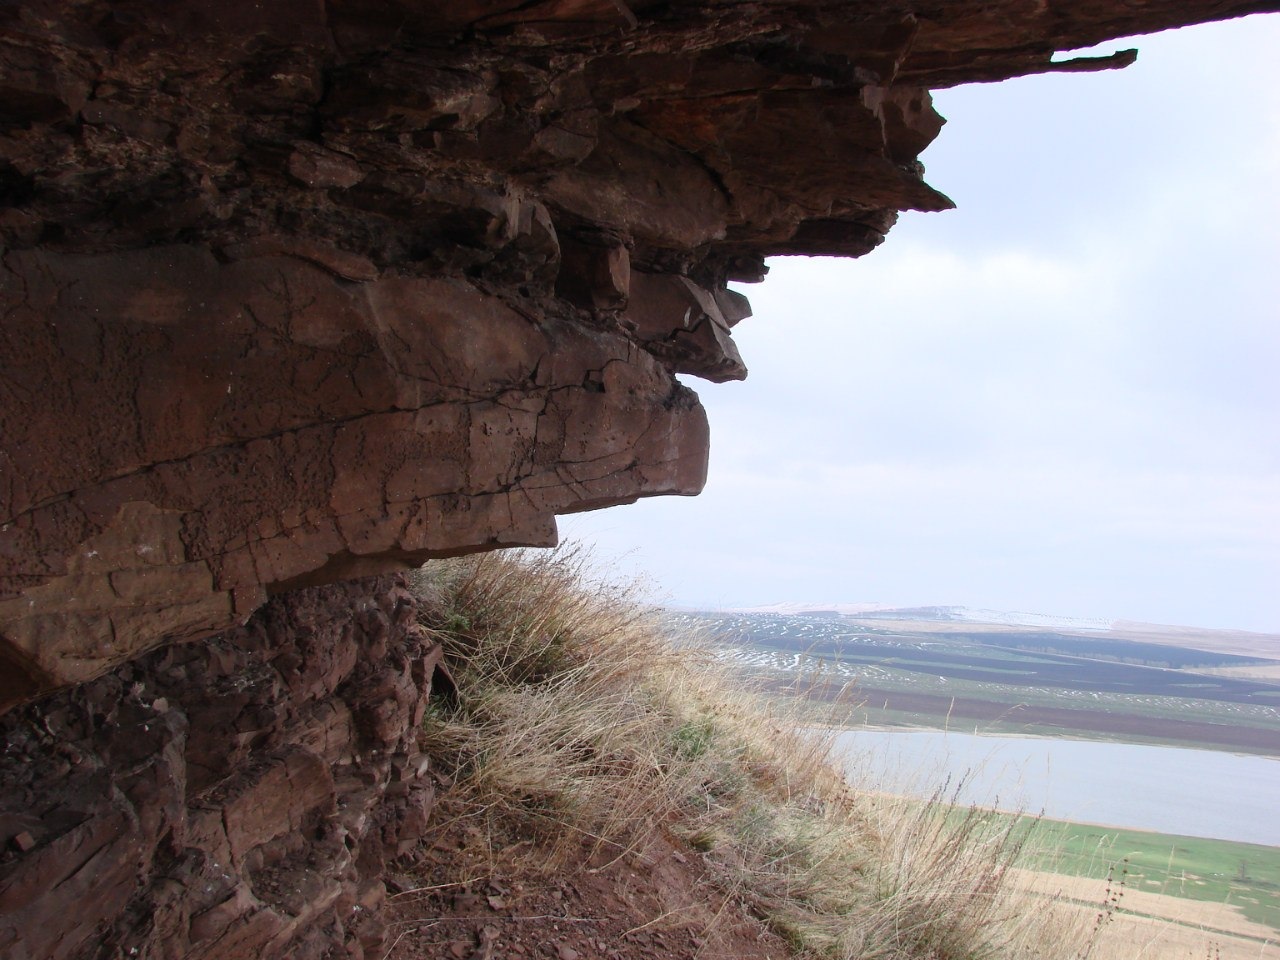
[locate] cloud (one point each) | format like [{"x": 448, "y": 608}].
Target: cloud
[{"x": 1061, "y": 397}]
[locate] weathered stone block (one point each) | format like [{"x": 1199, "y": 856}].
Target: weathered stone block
[
  {"x": 196, "y": 803},
  {"x": 681, "y": 323}
]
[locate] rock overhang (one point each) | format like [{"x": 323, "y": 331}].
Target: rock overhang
[{"x": 294, "y": 293}]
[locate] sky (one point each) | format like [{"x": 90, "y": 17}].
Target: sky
[{"x": 1062, "y": 397}]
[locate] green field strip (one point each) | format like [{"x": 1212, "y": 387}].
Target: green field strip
[{"x": 1244, "y": 875}]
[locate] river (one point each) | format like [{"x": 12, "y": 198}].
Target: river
[{"x": 1198, "y": 793}]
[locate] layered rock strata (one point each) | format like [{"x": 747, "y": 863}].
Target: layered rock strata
[
  {"x": 229, "y": 429},
  {"x": 235, "y": 798},
  {"x": 294, "y": 292}
]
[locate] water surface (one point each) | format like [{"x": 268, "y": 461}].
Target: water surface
[{"x": 1198, "y": 793}]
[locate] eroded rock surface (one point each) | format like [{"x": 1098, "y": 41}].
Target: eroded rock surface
[
  {"x": 235, "y": 798},
  {"x": 232, "y": 429},
  {"x": 297, "y": 292}
]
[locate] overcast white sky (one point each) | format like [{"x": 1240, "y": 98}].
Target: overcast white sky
[{"x": 1063, "y": 397}]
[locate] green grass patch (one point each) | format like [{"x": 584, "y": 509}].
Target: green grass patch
[{"x": 1245, "y": 875}]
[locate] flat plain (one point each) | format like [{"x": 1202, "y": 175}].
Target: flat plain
[
  {"x": 1235, "y": 879},
  {"x": 1151, "y": 925},
  {"x": 1178, "y": 686}
]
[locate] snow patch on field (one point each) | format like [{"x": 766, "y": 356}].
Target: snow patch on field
[{"x": 938, "y": 613}]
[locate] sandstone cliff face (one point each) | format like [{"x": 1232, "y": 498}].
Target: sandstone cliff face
[{"x": 299, "y": 292}]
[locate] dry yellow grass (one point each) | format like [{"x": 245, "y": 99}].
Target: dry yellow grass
[{"x": 579, "y": 717}]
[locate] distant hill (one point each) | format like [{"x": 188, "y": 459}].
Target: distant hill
[{"x": 949, "y": 618}]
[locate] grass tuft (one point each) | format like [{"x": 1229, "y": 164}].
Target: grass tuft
[{"x": 580, "y": 717}]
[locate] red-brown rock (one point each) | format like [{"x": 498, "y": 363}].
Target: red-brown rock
[
  {"x": 292, "y": 294},
  {"x": 216, "y": 799}
]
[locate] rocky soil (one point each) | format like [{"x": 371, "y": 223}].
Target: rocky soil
[{"x": 476, "y": 899}]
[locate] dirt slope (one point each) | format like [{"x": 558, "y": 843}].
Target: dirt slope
[{"x": 481, "y": 897}]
